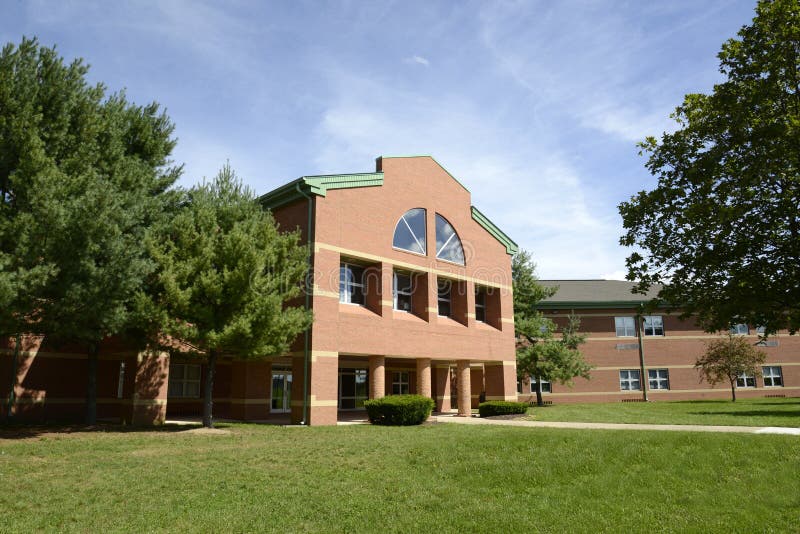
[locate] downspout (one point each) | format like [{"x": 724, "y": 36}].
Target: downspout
[
  {"x": 644, "y": 381},
  {"x": 12, "y": 396},
  {"x": 310, "y": 243}
]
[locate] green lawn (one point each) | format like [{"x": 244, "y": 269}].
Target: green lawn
[
  {"x": 433, "y": 478},
  {"x": 743, "y": 412}
]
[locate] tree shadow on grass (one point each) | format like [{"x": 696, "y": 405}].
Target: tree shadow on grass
[
  {"x": 27, "y": 431},
  {"x": 754, "y": 413}
]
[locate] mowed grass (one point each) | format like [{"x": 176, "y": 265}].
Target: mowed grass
[
  {"x": 432, "y": 478},
  {"x": 743, "y": 412}
]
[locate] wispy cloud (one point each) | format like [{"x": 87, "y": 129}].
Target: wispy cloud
[{"x": 417, "y": 60}]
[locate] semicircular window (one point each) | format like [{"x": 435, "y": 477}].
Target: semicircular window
[
  {"x": 448, "y": 245},
  {"x": 409, "y": 234}
]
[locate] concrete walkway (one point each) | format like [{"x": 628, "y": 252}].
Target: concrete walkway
[{"x": 447, "y": 418}]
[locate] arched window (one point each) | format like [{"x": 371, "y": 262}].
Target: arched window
[
  {"x": 448, "y": 245},
  {"x": 409, "y": 234}
]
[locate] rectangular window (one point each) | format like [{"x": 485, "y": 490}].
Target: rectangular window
[
  {"x": 773, "y": 376},
  {"x": 626, "y": 326},
  {"x": 740, "y": 329},
  {"x": 653, "y": 325},
  {"x": 519, "y": 385},
  {"x": 400, "y": 383},
  {"x": 402, "y": 291},
  {"x": 480, "y": 304},
  {"x": 445, "y": 297},
  {"x": 184, "y": 380},
  {"x": 545, "y": 386},
  {"x": 351, "y": 284},
  {"x": 658, "y": 378},
  {"x": 746, "y": 381},
  {"x": 629, "y": 380},
  {"x": 121, "y": 380}
]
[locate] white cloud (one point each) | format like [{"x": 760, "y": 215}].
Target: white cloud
[
  {"x": 526, "y": 187},
  {"x": 418, "y": 60}
]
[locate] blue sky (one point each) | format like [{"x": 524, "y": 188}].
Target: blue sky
[{"x": 535, "y": 106}]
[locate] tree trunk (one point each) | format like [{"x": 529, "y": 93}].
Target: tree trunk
[
  {"x": 91, "y": 384},
  {"x": 733, "y": 390},
  {"x": 539, "y": 399},
  {"x": 208, "y": 400}
]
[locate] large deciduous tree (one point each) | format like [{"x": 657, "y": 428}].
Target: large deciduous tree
[
  {"x": 726, "y": 359},
  {"x": 542, "y": 356},
  {"x": 722, "y": 227},
  {"x": 82, "y": 178},
  {"x": 227, "y": 277}
]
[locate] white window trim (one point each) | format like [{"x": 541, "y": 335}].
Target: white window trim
[
  {"x": 745, "y": 377},
  {"x": 629, "y": 380},
  {"x": 625, "y": 327},
  {"x": 658, "y": 380},
  {"x": 347, "y": 293},
  {"x": 396, "y": 291},
  {"x": 652, "y": 325},
  {"x": 771, "y": 376}
]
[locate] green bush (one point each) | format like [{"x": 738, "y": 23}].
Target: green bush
[
  {"x": 488, "y": 409},
  {"x": 399, "y": 410}
]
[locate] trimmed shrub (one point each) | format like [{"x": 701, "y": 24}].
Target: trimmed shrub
[
  {"x": 488, "y": 409},
  {"x": 399, "y": 410}
]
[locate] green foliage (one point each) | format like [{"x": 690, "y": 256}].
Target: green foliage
[
  {"x": 539, "y": 353},
  {"x": 725, "y": 359},
  {"x": 491, "y": 408},
  {"x": 399, "y": 410},
  {"x": 226, "y": 276},
  {"x": 722, "y": 227},
  {"x": 82, "y": 178}
]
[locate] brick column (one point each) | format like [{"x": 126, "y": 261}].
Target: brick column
[
  {"x": 323, "y": 388},
  {"x": 250, "y": 390},
  {"x": 424, "y": 377},
  {"x": 501, "y": 380},
  {"x": 442, "y": 388},
  {"x": 151, "y": 380},
  {"x": 464, "y": 389},
  {"x": 377, "y": 377}
]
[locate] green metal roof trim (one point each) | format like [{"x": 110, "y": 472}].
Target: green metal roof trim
[
  {"x": 318, "y": 185},
  {"x": 511, "y": 247},
  {"x": 434, "y": 160}
]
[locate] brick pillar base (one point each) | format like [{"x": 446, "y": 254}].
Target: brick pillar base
[
  {"x": 464, "y": 390},
  {"x": 151, "y": 381},
  {"x": 377, "y": 377},
  {"x": 442, "y": 391},
  {"x": 324, "y": 390}
]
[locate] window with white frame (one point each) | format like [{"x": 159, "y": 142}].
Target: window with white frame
[
  {"x": 658, "y": 378},
  {"x": 625, "y": 326},
  {"x": 444, "y": 288},
  {"x": 351, "y": 284},
  {"x": 746, "y": 380},
  {"x": 480, "y": 304},
  {"x": 409, "y": 233},
  {"x": 773, "y": 376},
  {"x": 740, "y": 329},
  {"x": 184, "y": 380},
  {"x": 653, "y": 325},
  {"x": 761, "y": 330},
  {"x": 545, "y": 386},
  {"x": 629, "y": 380},
  {"x": 402, "y": 291},
  {"x": 448, "y": 245},
  {"x": 400, "y": 383}
]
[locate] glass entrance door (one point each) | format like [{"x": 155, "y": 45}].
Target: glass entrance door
[{"x": 281, "y": 391}]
